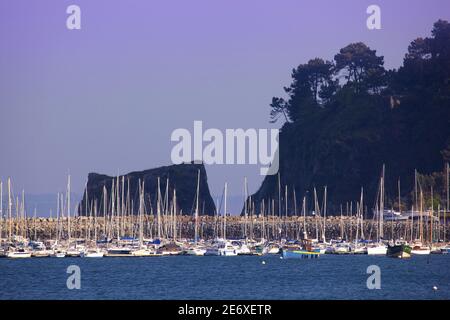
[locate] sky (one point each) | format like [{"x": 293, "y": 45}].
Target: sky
[{"x": 107, "y": 97}]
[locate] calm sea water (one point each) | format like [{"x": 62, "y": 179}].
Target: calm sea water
[{"x": 242, "y": 277}]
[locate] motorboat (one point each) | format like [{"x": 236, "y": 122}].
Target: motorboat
[
  {"x": 18, "y": 253},
  {"x": 196, "y": 251},
  {"x": 92, "y": 253},
  {"x": 119, "y": 252}
]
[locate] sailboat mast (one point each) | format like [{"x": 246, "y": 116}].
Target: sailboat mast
[
  {"x": 174, "y": 200},
  {"x": 285, "y": 211},
  {"x": 324, "y": 214},
  {"x": 68, "y": 208},
  {"x": 141, "y": 209},
  {"x": 122, "y": 206},
  {"x": 412, "y": 223},
  {"x": 448, "y": 200},
  {"x": 263, "y": 227},
  {"x": 1, "y": 209},
  {"x": 316, "y": 212},
  {"x": 415, "y": 190},
  {"x": 305, "y": 236},
  {"x": 196, "y": 207},
  {"x": 9, "y": 211},
  {"x": 34, "y": 225},
  {"x": 361, "y": 203},
  {"x": 295, "y": 213},
  {"x": 246, "y": 207},
  {"x": 166, "y": 208},
  {"x": 431, "y": 215},
  {"x": 105, "y": 220},
  {"x": 17, "y": 207},
  {"x": 382, "y": 204},
  {"x": 158, "y": 211},
  {"x": 95, "y": 221},
  {"x": 421, "y": 217},
  {"x": 279, "y": 196},
  {"x": 57, "y": 218},
  {"x": 399, "y": 200},
  {"x": 225, "y": 212}
]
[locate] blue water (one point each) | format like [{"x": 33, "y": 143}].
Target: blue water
[{"x": 242, "y": 277}]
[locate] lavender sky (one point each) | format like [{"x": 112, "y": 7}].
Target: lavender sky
[{"x": 107, "y": 97}]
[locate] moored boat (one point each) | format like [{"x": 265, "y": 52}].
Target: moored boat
[
  {"x": 223, "y": 248},
  {"x": 379, "y": 249},
  {"x": 420, "y": 250},
  {"x": 169, "y": 249},
  {"x": 92, "y": 253},
  {"x": 399, "y": 251},
  {"x": 272, "y": 248},
  {"x": 18, "y": 254},
  {"x": 299, "y": 250},
  {"x": 144, "y": 252},
  {"x": 41, "y": 253},
  {"x": 119, "y": 252},
  {"x": 342, "y": 248},
  {"x": 196, "y": 251}
]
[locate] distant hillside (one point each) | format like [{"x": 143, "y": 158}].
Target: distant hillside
[
  {"x": 345, "y": 118},
  {"x": 182, "y": 178}
]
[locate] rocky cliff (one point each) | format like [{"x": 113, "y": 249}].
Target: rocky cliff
[
  {"x": 182, "y": 178},
  {"x": 344, "y": 119}
]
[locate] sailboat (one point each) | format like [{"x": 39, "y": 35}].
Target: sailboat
[
  {"x": 418, "y": 247},
  {"x": 400, "y": 249},
  {"x": 92, "y": 253},
  {"x": 379, "y": 248},
  {"x": 195, "y": 249},
  {"x": 222, "y": 247},
  {"x": 14, "y": 252},
  {"x": 142, "y": 251},
  {"x": 358, "y": 246},
  {"x": 58, "y": 251}
]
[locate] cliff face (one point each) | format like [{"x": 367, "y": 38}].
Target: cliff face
[
  {"x": 182, "y": 178},
  {"x": 345, "y": 149}
]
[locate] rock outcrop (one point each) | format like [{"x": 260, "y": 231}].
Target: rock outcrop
[{"x": 181, "y": 178}]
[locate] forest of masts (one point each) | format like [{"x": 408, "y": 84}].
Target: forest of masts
[{"x": 114, "y": 218}]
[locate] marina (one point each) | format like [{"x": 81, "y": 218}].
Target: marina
[
  {"x": 120, "y": 232},
  {"x": 168, "y": 234}
]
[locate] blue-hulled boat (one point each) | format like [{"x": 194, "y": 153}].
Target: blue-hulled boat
[{"x": 300, "y": 250}]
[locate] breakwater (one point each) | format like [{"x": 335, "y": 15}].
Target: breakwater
[{"x": 272, "y": 228}]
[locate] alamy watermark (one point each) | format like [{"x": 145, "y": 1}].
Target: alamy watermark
[
  {"x": 373, "y": 22},
  {"x": 73, "y": 21},
  {"x": 74, "y": 280},
  {"x": 234, "y": 147},
  {"x": 374, "y": 280}
]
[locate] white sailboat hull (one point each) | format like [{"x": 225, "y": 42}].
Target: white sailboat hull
[
  {"x": 18, "y": 255},
  {"x": 420, "y": 251},
  {"x": 378, "y": 250},
  {"x": 93, "y": 254},
  {"x": 196, "y": 252}
]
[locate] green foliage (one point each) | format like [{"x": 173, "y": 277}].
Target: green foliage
[{"x": 361, "y": 67}]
